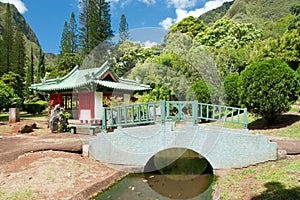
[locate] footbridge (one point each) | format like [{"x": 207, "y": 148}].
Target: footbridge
[{"x": 140, "y": 131}]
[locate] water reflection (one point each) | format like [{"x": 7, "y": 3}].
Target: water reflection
[
  {"x": 187, "y": 176},
  {"x": 180, "y": 186}
]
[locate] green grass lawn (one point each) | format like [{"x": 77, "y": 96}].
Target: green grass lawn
[
  {"x": 25, "y": 116},
  {"x": 269, "y": 181},
  {"x": 288, "y": 125}
]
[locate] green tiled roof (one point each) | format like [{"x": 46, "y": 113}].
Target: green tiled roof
[{"x": 78, "y": 78}]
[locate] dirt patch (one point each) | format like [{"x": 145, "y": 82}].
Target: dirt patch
[
  {"x": 45, "y": 165},
  {"x": 52, "y": 175}
]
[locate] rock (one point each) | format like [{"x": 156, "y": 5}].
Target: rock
[
  {"x": 281, "y": 154},
  {"x": 26, "y": 129},
  {"x": 34, "y": 126}
]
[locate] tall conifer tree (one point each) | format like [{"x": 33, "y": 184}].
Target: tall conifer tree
[
  {"x": 69, "y": 41},
  {"x": 20, "y": 55},
  {"x": 123, "y": 29},
  {"x": 95, "y": 24},
  {"x": 73, "y": 37},
  {"x": 41, "y": 67},
  {"x": 30, "y": 71},
  {"x": 64, "y": 43},
  {"x": 7, "y": 42}
]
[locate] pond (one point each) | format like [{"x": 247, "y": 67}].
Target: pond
[{"x": 188, "y": 176}]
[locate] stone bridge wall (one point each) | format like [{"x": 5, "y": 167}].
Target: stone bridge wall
[{"x": 223, "y": 148}]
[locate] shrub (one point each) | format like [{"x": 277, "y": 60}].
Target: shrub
[
  {"x": 231, "y": 90},
  {"x": 203, "y": 92},
  {"x": 268, "y": 88},
  {"x": 63, "y": 125},
  {"x": 35, "y": 107}
]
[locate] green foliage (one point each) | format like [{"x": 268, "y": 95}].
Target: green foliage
[
  {"x": 298, "y": 70},
  {"x": 35, "y": 107},
  {"x": 15, "y": 82},
  {"x": 6, "y": 95},
  {"x": 203, "y": 92},
  {"x": 30, "y": 71},
  {"x": 41, "y": 69},
  {"x": 123, "y": 29},
  {"x": 69, "y": 38},
  {"x": 7, "y": 60},
  {"x": 65, "y": 63},
  {"x": 229, "y": 34},
  {"x": 268, "y": 88},
  {"x": 231, "y": 90},
  {"x": 95, "y": 24},
  {"x": 258, "y": 12},
  {"x": 63, "y": 125},
  {"x": 190, "y": 26},
  {"x": 289, "y": 49},
  {"x": 295, "y": 9},
  {"x": 19, "y": 53},
  {"x": 214, "y": 15}
]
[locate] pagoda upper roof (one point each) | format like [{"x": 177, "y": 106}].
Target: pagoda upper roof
[{"x": 78, "y": 78}]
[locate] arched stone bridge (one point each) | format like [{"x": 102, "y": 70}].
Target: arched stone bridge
[{"x": 143, "y": 130}]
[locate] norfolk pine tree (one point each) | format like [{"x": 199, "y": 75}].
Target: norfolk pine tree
[
  {"x": 7, "y": 49},
  {"x": 123, "y": 29},
  {"x": 95, "y": 24}
]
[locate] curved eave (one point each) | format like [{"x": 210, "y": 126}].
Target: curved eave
[{"x": 125, "y": 86}]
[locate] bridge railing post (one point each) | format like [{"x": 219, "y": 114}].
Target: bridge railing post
[
  {"x": 195, "y": 112},
  {"x": 163, "y": 112},
  {"x": 245, "y": 118},
  {"x": 104, "y": 123}
]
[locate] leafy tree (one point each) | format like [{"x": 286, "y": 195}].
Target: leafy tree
[
  {"x": 15, "y": 82},
  {"x": 6, "y": 93},
  {"x": 190, "y": 25},
  {"x": 231, "y": 90},
  {"x": 289, "y": 49},
  {"x": 123, "y": 29},
  {"x": 127, "y": 55},
  {"x": 203, "y": 92},
  {"x": 65, "y": 63},
  {"x": 295, "y": 9},
  {"x": 268, "y": 88},
  {"x": 95, "y": 24},
  {"x": 298, "y": 70},
  {"x": 228, "y": 33}
]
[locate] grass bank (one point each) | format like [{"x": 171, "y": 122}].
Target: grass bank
[{"x": 276, "y": 180}]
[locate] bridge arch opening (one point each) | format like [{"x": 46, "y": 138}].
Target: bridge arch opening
[{"x": 179, "y": 173}]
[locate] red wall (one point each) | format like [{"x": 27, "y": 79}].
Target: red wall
[
  {"x": 87, "y": 102},
  {"x": 55, "y": 99}
]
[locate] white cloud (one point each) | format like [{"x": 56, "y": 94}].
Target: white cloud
[
  {"x": 167, "y": 23},
  {"x": 149, "y": 44},
  {"x": 18, "y": 3},
  {"x": 182, "y": 13},
  {"x": 182, "y": 3},
  {"x": 124, "y": 2},
  {"x": 148, "y": 2}
]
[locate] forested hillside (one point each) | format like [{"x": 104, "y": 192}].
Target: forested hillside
[
  {"x": 212, "y": 16},
  {"x": 259, "y": 12}
]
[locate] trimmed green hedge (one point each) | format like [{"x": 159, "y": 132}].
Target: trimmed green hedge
[{"x": 35, "y": 107}]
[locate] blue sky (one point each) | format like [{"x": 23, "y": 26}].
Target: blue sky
[{"x": 47, "y": 17}]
